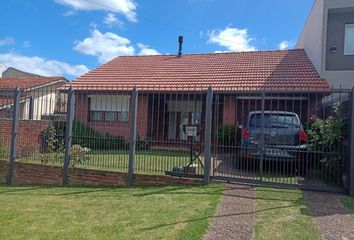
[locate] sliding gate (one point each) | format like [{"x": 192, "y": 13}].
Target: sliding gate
[{"x": 290, "y": 140}]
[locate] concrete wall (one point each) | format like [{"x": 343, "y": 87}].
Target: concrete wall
[
  {"x": 311, "y": 37},
  {"x": 313, "y": 40},
  {"x": 335, "y": 37}
]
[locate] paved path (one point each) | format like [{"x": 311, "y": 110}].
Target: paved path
[
  {"x": 235, "y": 214},
  {"x": 331, "y": 217}
]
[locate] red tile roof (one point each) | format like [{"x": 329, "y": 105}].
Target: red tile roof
[
  {"x": 27, "y": 82},
  {"x": 7, "y": 101},
  {"x": 4, "y": 100},
  {"x": 286, "y": 70}
]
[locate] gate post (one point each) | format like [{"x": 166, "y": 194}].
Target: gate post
[
  {"x": 262, "y": 137},
  {"x": 132, "y": 144},
  {"x": 207, "y": 140},
  {"x": 68, "y": 133},
  {"x": 351, "y": 148},
  {"x": 14, "y": 133}
]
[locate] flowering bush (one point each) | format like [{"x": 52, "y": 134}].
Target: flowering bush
[
  {"x": 327, "y": 137},
  {"x": 79, "y": 154},
  {"x": 53, "y": 149}
]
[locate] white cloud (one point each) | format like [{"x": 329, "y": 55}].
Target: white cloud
[
  {"x": 111, "y": 20},
  {"x": 105, "y": 46},
  {"x": 286, "y": 45},
  {"x": 234, "y": 39},
  {"x": 70, "y": 13},
  {"x": 26, "y": 44},
  {"x": 2, "y": 69},
  {"x": 125, "y": 7},
  {"x": 7, "y": 41},
  {"x": 41, "y": 66},
  {"x": 146, "y": 50},
  {"x": 221, "y": 51}
]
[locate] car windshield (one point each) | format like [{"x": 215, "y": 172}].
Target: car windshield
[{"x": 272, "y": 120}]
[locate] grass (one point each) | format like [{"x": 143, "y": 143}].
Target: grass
[
  {"x": 172, "y": 212},
  {"x": 155, "y": 162},
  {"x": 348, "y": 203},
  {"x": 283, "y": 214}
]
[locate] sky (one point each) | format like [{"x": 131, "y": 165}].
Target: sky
[{"x": 70, "y": 37}]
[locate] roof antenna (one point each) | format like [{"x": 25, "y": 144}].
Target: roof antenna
[{"x": 180, "y": 42}]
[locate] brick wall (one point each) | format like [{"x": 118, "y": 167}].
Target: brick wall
[
  {"x": 26, "y": 173},
  {"x": 229, "y": 110},
  {"x": 237, "y": 111},
  {"x": 3, "y": 171},
  {"x": 29, "y": 135},
  {"x": 113, "y": 128}
]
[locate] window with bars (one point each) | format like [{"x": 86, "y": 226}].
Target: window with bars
[{"x": 109, "y": 108}]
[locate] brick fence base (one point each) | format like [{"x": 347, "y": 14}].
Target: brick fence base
[{"x": 27, "y": 173}]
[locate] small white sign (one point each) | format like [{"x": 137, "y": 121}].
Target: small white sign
[{"x": 191, "y": 131}]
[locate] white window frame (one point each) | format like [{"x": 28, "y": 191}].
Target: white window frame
[
  {"x": 109, "y": 103},
  {"x": 348, "y": 25}
]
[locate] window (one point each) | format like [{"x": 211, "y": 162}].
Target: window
[
  {"x": 109, "y": 108},
  {"x": 109, "y": 116},
  {"x": 274, "y": 121},
  {"x": 96, "y": 116},
  {"x": 122, "y": 116},
  {"x": 349, "y": 39}
]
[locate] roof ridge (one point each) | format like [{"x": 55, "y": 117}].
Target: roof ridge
[
  {"x": 213, "y": 53},
  {"x": 31, "y": 78}
]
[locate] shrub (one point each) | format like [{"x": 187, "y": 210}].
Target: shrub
[
  {"x": 87, "y": 137},
  {"x": 143, "y": 144},
  {"x": 328, "y": 136},
  {"x": 26, "y": 149},
  {"x": 79, "y": 155},
  {"x": 227, "y": 135},
  {"x": 52, "y": 144}
]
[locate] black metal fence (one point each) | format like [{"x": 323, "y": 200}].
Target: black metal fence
[
  {"x": 270, "y": 137},
  {"x": 283, "y": 139}
]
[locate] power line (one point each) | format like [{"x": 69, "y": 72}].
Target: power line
[{"x": 161, "y": 23}]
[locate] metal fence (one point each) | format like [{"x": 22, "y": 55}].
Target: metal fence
[{"x": 292, "y": 139}]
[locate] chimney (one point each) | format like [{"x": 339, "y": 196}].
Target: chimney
[{"x": 180, "y": 42}]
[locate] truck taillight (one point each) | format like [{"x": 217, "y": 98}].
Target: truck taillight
[
  {"x": 303, "y": 136},
  {"x": 245, "y": 134}
]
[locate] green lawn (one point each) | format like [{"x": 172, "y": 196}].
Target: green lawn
[
  {"x": 173, "y": 212},
  {"x": 283, "y": 214},
  {"x": 348, "y": 203},
  {"x": 154, "y": 162}
]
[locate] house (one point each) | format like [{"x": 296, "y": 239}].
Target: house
[
  {"x": 328, "y": 40},
  {"x": 39, "y": 95},
  {"x": 11, "y": 72},
  {"x": 172, "y": 90}
]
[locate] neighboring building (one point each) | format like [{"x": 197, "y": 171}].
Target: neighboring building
[
  {"x": 172, "y": 90},
  {"x": 328, "y": 40},
  {"x": 39, "y": 96},
  {"x": 16, "y": 73}
]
